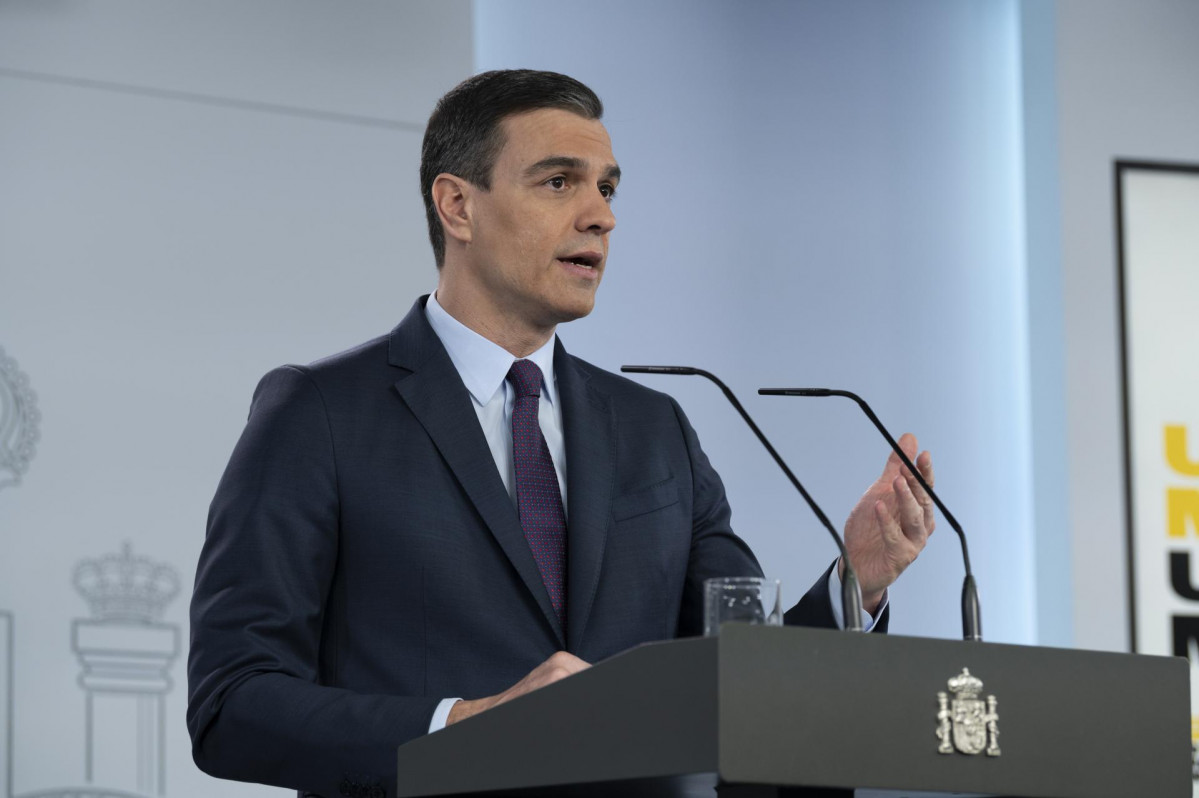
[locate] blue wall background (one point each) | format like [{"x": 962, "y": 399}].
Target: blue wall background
[{"x": 821, "y": 194}]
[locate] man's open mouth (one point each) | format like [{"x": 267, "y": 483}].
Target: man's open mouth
[{"x": 588, "y": 260}]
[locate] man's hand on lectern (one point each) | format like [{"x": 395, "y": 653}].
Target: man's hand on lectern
[{"x": 557, "y": 667}]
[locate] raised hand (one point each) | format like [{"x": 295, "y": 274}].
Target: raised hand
[{"x": 890, "y": 524}]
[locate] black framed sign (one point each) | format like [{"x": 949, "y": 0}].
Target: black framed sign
[{"x": 1157, "y": 229}]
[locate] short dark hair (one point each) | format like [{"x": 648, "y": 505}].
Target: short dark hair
[{"x": 464, "y": 136}]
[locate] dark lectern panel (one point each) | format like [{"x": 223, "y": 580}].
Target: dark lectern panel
[
  {"x": 771, "y": 709},
  {"x": 861, "y": 710}
]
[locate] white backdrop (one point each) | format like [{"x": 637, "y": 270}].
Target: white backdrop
[
  {"x": 190, "y": 194},
  {"x": 828, "y": 193},
  {"x": 1126, "y": 81},
  {"x": 1159, "y": 213},
  {"x": 1160, "y": 281}
]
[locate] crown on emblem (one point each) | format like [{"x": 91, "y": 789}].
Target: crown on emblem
[
  {"x": 964, "y": 685},
  {"x": 124, "y": 587}
]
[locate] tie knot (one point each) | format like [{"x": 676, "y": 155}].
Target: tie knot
[{"x": 526, "y": 378}]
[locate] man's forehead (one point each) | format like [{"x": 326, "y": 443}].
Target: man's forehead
[{"x": 552, "y": 133}]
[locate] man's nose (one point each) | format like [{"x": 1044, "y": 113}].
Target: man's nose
[{"x": 596, "y": 215}]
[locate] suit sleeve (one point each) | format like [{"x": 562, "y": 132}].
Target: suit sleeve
[
  {"x": 717, "y": 551},
  {"x": 256, "y": 711},
  {"x": 817, "y": 606}
]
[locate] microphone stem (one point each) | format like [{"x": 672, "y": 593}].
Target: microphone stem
[
  {"x": 953, "y": 522},
  {"x": 851, "y": 596},
  {"x": 971, "y": 614}
]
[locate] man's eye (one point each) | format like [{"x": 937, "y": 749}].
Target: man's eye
[
  {"x": 608, "y": 190},
  {"x": 556, "y": 182}
]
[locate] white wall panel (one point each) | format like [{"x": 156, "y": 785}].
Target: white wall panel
[
  {"x": 191, "y": 194},
  {"x": 367, "y": 58},
  {"x": 1126, "y": 83}
]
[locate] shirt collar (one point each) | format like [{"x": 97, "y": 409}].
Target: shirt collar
[{"x": 482, "y": 364}]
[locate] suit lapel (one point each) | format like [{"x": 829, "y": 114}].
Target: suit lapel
[
  {"x": 437, "y": 398},
  {"x": 590, "y": 472}
]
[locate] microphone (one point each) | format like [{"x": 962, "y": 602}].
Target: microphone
[
  {"x": 971, "y": 613},
  {"x": 851, "y": 594}
]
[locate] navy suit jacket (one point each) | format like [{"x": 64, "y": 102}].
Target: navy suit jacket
[{"x": 363, "y": 559}]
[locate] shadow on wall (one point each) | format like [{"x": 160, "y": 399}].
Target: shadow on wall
[{"x": 125, "y": 650}]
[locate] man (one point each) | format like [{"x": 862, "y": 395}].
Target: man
[{"x": 457, "y": 513}]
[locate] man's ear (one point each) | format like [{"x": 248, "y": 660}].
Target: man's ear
[{"x": 451, "y": 198}]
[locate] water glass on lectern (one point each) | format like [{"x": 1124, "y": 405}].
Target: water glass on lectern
[{"x": 741, "y": 599}]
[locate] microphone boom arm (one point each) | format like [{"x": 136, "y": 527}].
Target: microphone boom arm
[
  {"x": 851, "y": 595},
  {"x": 971, "y": 612}
]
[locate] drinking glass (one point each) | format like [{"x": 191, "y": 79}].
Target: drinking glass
[{"x": 741, "y": 599}]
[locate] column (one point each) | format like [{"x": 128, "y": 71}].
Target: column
[{"x": 125, "y": 674}]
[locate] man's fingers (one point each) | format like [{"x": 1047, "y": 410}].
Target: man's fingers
[
  {"x": 563, "y": 664},
  {"x": 912, "y": 518},
  {"x": 887, "y": 524},
  {"x": 902, "y": 548},
  {"x": 557, "y": 667},
  {"x": 907, "y": 443},
  {"x": 925, "y": 465}
]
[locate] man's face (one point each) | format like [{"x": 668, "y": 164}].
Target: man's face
[{"x": 539, "y": 237}]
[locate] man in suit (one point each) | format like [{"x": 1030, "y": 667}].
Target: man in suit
[{"x": 459, "y": 512}]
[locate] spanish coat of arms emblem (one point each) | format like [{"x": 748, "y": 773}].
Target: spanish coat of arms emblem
[
  {"x": 968, "y": 723},
  {"x": 19, "y": 418}
]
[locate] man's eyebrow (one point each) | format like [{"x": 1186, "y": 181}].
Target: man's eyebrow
[{"x": 570, "y": 163}]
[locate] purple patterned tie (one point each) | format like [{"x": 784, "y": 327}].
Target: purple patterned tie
[{"x": 538, "y": 497}]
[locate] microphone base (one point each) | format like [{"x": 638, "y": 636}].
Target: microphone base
[
  {"x": 972, "y": 624},
  {"x": 851, "y": 600}
]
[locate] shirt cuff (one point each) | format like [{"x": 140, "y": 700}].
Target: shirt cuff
[
  {"x": 834, "y": 594},
  {"x": 442, "y": 714}
]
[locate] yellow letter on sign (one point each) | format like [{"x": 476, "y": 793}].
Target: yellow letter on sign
[
  {"x": 1182, "y": 505},
  {"x": 1176, "y": 451}
]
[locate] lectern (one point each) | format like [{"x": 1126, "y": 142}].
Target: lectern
[{"x": 763, "y": 711}]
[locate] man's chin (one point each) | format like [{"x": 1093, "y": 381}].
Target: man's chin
[
  {"x": 576, "y": 306},
  {"x": 572, "y": 313}
]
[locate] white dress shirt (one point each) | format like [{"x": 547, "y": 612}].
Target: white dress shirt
[{"x": 483, "y": 367}]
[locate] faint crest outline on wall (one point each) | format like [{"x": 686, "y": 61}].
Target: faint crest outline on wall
[
  {"x": 126, "y": 652},
  {"x": 124, "y": 587},
  {"x": 19, "y": 419}
]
